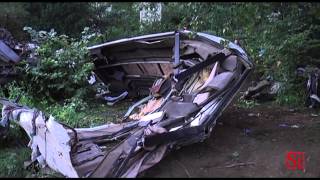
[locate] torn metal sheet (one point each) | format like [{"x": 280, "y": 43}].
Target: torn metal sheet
[
  {"x": 181, "y": 102},
  {"x": 114, "y": 99},
  {"x": 264, "y": 90}
]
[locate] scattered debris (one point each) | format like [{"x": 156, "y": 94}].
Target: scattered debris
[
  {"x": 11, "y": 53},
  {"x": 247, "y": 131},
  {"x": 264, "y": 90},
  {"x": 253, "y": 114},
  {"x": 112, "y": 100},
  {"x": 294, "y": 126},
  {"x": 235, "y": 154},
  {"x": 292, "y": 110},
  {"x": 240, "y": 164},
  {"x": 312, "y": 75},
  {"x": 285, "y": 125},
  {"x": 8, "y": 57},
  {"x": 314, "y": 115}
]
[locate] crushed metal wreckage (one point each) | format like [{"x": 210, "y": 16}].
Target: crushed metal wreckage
[
  {"x": 11, "y": 53},
  {"x": 264, "y": 90},
  {"x": 8, "y": 56},
  {"x": 312, "y": 74},
  {"x": 186, "y": 82}
]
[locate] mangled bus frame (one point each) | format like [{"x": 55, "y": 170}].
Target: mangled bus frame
[{"x": 186, "y": 81}]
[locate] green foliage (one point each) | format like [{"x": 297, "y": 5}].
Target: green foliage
[
  {"x": 66, "y": 113},
  {"x": 13, "y": 16},
  {"x": 14, "y": 90},
  {"x": 13, "y": 153},
  {"x": 63, "y": 68},
  {"x": 292, "y": 95},
  {"x": 11, "y": 162},
  {"x": 65, "y": 18}
]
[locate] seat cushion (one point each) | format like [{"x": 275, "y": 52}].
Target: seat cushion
[
  {"x": 201, "y": 97},
  {"x": 221, "y": 80},
  {"x": 230, "y": 63},
  {"x": 176, "y": 110}
]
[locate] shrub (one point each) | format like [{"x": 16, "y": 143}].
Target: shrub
[{"x": 63, "y": 66}]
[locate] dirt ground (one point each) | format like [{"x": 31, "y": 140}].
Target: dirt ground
[{"x": 259, "y": 137}]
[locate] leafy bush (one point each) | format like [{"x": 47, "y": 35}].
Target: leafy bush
[
  {"x": 14, "y": 90},
  {"x": 63, "y": 67}
]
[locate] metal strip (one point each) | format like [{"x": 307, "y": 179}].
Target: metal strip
[
  {"x": 136, "y": 62},
  {"x": 176, "y": 52}
]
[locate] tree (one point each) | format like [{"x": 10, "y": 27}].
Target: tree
[
  {"x": 65, "y": 18},
  {"x": 12, "y": 18}
]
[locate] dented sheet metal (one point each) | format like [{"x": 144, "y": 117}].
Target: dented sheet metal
[
  {"x": 49, "y": 140},
  {"x": 187, "y": 92}
]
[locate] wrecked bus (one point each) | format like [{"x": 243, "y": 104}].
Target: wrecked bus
[{"x": 185, "y": 81}]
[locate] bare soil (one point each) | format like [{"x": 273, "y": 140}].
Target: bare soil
[{"x": 259, "y": 138}]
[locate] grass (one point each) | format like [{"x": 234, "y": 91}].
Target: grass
[
  {"x": 13, "y": 153},
  {"x": 11, "y": 161},
  {"x": 94, "y": 114}
]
